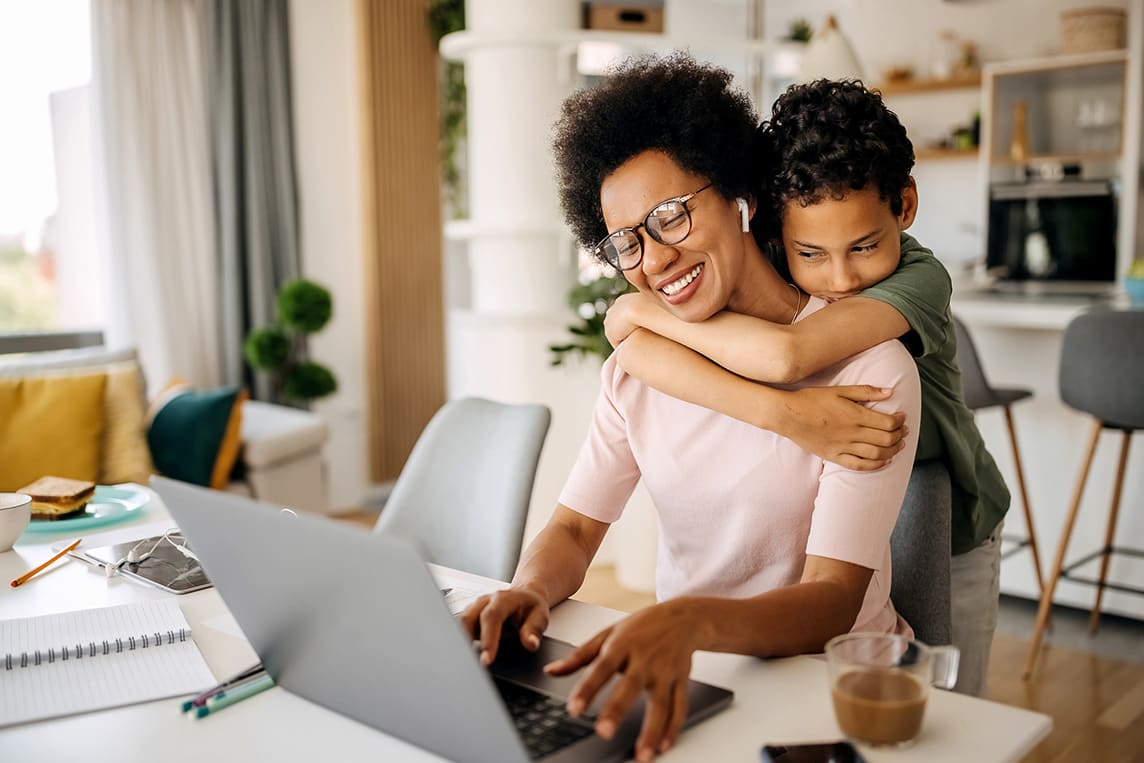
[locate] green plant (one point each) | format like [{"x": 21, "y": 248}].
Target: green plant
[
  {"x": 591, "y": 301},
  {"x": 1136, "y": 269},
  {"x": 303, "y": 307},
  {"x": 800, "y": 30},
  {"x": 446, "y": 16}
]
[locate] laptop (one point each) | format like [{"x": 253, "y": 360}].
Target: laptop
[{"x": 354, "y": 621}]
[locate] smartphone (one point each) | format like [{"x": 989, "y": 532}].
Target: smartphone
[{"x": 827, "y": 752}]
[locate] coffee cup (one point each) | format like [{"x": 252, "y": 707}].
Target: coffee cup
[
  {"x": 15, "y": 513},
  {"x": 879, "y": 683}
]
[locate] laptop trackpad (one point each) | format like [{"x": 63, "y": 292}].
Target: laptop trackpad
[{"x": 517, "y": 664}]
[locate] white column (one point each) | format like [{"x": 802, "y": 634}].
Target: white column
[{"x": 521, "y": 261}]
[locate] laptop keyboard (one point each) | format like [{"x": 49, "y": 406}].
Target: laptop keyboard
[{"x": 542, "y": 721}]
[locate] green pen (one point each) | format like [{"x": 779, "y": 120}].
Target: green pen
[{"x": 231, "y": 696}]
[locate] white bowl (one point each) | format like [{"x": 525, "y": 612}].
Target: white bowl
[{"x": 15, "y": 514}]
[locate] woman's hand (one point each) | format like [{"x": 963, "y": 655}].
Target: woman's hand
[
  {"x": 520, "y": 607},
  {"x": 832, "y": 423},
  {"x": 651, "y": 649}
]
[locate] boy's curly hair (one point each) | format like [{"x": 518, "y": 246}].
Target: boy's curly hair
[
  {"x": 687, "y": 109},
  {"x": 830, "y": 137}
]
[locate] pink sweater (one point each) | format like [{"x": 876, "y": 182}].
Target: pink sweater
[{"x": 739, "y": 508}]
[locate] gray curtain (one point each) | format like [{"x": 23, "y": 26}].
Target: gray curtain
[{"x": 256, "y": 197}]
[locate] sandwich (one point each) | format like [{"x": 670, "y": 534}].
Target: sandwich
[{"x": 58, "y": 497}]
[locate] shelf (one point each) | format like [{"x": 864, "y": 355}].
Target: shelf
[
  {"x": 457, "y": 45},
  {"x": 941, "y": 154},
  {"x": 1062, "y": 158},
  {"x": 905, "y": 87},
  {"x": 1048, "y": 63}
]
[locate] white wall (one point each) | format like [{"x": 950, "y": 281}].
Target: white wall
[{"x": 327, "y": 139}]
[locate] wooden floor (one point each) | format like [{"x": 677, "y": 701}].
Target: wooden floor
[{"x": 1097, "y": 703}]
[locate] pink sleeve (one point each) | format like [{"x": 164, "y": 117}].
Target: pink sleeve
[
  {"x": 855, "y": 512},
  {"x": 605, "y": 472}
]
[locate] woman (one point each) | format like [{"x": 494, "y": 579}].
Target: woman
[{"x": 765, "y": 548}]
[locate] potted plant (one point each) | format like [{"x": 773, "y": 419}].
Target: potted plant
[
  {"x": 303, "y": 307},
  {"x": 591, "y": 300}
]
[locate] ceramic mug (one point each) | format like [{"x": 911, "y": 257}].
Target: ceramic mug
[
  {"x": 15, "y": 513},
  {"x": 879, "y": 683}
]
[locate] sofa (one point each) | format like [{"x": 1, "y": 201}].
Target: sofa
[{"x": 279, "y": 449}]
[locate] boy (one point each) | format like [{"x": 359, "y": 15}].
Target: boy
[{"x": 836, "y": 173}]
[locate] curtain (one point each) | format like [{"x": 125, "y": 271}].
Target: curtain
[
  {"x": 256, "y": 203},
  {"x": 157, "y": 209}
]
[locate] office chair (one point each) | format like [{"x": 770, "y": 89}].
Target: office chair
[
  {"x": 464, "y": 492},
  {"x": 1101, "y": 374},
  {"x": 980, "y": 394},
  {"x": 920, "y": 553}
]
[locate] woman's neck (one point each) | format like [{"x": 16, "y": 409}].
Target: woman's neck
[{"x": 763, "y": 293}]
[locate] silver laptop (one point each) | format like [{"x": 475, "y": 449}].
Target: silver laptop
[{"x": 355, "y": 622}]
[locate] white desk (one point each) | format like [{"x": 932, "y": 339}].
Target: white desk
[{"x": 775, "y": 700}]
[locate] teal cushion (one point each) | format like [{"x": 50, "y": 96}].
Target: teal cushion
[{"x": 194, "y": 435}]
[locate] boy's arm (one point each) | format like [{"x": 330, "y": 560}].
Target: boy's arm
[
  {"x": 912, "y": 303},
  {"x": 830, "y": 422},
  {"x": 762, "y": 350}
]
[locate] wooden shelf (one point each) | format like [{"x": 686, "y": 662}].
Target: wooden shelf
[
  {"x": 932, "y": 154},
  {"x": 904, "y": 87}
]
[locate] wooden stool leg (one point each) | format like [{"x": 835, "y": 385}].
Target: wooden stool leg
[
  {"x": 1024, "y": 500},
  {"x": 1059, "y": 562},
  {"x": 1094, "y": 619}
]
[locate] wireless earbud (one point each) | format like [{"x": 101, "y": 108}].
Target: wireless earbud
[{"x": 744, "y": 214}]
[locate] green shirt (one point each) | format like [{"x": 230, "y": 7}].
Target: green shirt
[{"x": 920, "y": 290}]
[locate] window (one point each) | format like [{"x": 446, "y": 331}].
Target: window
[{"x": 49, "y": 262}]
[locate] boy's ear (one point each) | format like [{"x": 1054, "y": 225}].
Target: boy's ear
[{"x": 909, "y": 204}]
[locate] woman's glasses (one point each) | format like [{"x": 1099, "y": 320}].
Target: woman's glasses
[{"x": 668, "y": 223}]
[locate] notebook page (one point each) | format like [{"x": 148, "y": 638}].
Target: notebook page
[
  {"x": 26, "y": 634},
  {"x": 65, "y": 687}
]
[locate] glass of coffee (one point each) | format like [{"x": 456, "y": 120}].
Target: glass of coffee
[{"x": 879, "y": 683}]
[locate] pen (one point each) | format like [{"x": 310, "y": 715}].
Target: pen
[
  {"x": 217, "y": 689},
  {"x": 28, "y": 575},
  {"x": 214, "y": 704}
]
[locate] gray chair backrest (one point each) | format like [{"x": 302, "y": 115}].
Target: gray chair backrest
[
  {"x": 974, "y": 386},
  {"x": 920, "y": 553},
  {"x": 1102, "y": 366},
  {"x": 464, "y": 492}
]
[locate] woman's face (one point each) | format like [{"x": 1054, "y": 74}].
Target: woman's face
[{"x": 700, "y": 275}]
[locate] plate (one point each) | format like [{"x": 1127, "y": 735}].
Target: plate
[{"x": 111, "y": 504}]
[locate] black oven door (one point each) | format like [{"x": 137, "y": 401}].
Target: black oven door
[{"x": 1053, "y": 232}]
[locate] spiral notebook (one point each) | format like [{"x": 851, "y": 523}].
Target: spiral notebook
[{"x": 76, "y": 662}]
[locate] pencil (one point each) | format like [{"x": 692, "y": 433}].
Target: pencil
[
  {"x": 28, "y": 575},
  {"x": 260, "y": 684},
  {"x": 216, "y": 690}
]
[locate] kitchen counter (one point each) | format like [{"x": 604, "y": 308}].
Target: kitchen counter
[{"x": 1028, "y": 310}]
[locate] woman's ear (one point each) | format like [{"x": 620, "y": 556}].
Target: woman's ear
[{"x": 909, "y": 204}]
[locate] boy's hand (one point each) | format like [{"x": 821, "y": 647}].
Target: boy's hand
[
  {"x": 832, "y": 423},
  {"x": 625, "y": 316}
]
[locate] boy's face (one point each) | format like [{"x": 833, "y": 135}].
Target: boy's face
[{"x": 837, "y": 248}]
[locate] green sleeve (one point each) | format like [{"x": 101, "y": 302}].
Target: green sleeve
[{"x": 920, "y": 290}]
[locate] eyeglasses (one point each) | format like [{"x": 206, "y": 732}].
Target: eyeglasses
[{"x": 668, "y": 223}]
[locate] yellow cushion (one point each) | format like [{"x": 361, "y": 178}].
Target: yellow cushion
[
  {"x": 125, "y": 457},
  {"x": 50, "y": 425}
]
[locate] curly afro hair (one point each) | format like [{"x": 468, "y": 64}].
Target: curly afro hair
[
  {"x": 686, "y": 109},
  {"x": 830, "y": 137}
]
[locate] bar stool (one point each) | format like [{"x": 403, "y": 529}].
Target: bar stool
[
  {"x": 1102, "y": 374},
  {"x": 980, "y": 394}
]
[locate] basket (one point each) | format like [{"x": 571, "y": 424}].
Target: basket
[{"x": 1086, "y": 30}]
